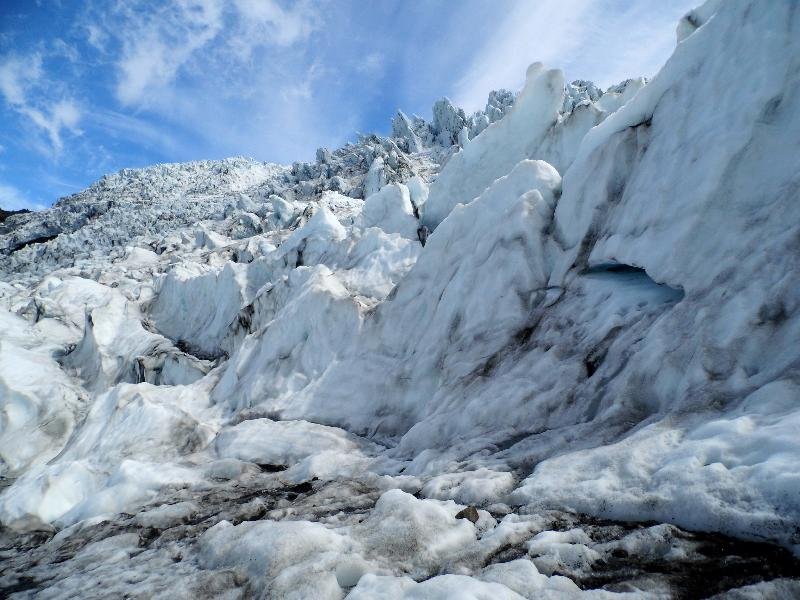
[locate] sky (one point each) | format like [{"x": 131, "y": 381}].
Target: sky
[{"x": 91, "y": 87}]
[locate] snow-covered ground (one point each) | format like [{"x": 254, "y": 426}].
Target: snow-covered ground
[{"x": 548, "y": 350}]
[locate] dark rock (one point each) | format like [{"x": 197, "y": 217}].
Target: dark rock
[
  {"x": 470, "y": 514},
  {"x": 4, "y": 214}
]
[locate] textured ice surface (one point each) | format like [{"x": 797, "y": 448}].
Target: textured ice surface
[{"x": 548, "y": 350}]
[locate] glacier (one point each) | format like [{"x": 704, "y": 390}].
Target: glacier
[{"x": 546, "y": 350}]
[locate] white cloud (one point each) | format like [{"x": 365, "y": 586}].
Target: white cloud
[
  {"x": 17, "y": 75},
  {"x": 197, "y": 67},
  {"x": 64, "y": 114},
  {"x": 95, "y": 35},
  {"x": 61, "y": 48},
  {"x": 13, "y": 199},
  {"x": 265, "y": 22},
  {"x": 155, "y": 45},
  {"x": 160, "y": 43},
  {"x": 27, "y": 91}
]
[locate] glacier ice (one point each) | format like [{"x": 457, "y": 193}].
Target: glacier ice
[{"x": 574, "y": 313}]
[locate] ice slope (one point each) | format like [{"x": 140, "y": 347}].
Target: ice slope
[
  {"x": 263, "y": 381},
  {"x": 720, "y": 225}
]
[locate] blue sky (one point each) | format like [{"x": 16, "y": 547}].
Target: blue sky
[{"x": 91, "y": 87}]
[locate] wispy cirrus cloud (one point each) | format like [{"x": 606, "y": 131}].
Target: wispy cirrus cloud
[
  {"x": 156, "y": 44},
  {"x": 544, "y": 30},
  {"x": 266, "y": 22},
  {"x": 155, "y": 48},
  {"x": 27, "y": 91},
  {"x": 121, "y": 126},
  {"x": 17, "y": 75},
  {"x": 191, "y": 63},
  {"x": 603, "y": 40}
]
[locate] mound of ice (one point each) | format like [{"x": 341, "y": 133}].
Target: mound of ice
[{"x": 391, "y": 210}]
